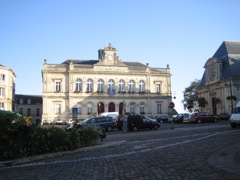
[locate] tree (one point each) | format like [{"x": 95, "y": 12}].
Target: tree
[{"x": 190, "y": 95}]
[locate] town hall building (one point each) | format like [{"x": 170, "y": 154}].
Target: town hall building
[{"x": 83, "y": 88}]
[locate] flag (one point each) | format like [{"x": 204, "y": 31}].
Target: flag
[{"x": 111, "y": 91}]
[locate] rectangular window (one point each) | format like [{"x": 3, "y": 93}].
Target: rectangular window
[
  {"x": 2, "y": 77},
  {"x": 57, "y": 109},
  {"x": 29, "y": 112},
  {"x": 159, "y": 108},
  {"x": 38, "y": 112},
  {"x": 141, "y": 109},
  {"x": 2, "y": 92},
  {"x": 158, "y": 88},
  {"x": 2, "y": 105},
  {"x": 57, "y": 86},
  {"x": 21, "y": 111}
]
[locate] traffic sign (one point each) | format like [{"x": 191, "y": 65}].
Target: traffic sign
[{"x": 171, "y": 105}]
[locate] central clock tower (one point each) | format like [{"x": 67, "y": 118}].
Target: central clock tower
[{"x": 107, "y": 55}]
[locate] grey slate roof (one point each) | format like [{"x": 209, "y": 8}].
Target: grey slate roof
[
  {"x": 35, "y": 99},
  {"x": 229, "y": 55},
  {"x": 92, "y": 62}
]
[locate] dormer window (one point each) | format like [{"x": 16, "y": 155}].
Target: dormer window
[{"x": 29, "y": 101}]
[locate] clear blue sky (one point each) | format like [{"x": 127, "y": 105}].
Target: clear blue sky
[{"x": 181, "y": 33}]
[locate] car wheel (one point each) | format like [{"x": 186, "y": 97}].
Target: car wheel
[
  {"x": 233, "y": 126},
  {"x": 109, "y": 128},
  {"x": 199, "y": 121},
  {"x": 161, "y": 121},
  {"x": 155, "y": 127},
  {"x": 215, "y": 120},
  {"x": 135, "y": 129}
]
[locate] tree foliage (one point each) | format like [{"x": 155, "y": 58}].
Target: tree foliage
[{"x": 190, "y": 95}]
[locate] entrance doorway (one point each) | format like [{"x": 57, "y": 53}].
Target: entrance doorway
[
  {"x": 100, "y": 107},
  {"x": 111, "y": 107}
]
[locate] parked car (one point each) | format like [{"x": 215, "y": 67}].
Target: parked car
[
  {"x": 106, "y": 122},
  {"x": 109, "y": 114},
  {"x": 163, "y": 119},
  {"x": 235, "y": 117},
  {"x": 186, "y": 119},
  {"x": 203, "y": 117},
  {"x": 179, "y": 118},
  {"x": 135, "y": 122},
  {"x": 47, "y": 122},
  {"x": 61, "y": 122},
  {"x": 224, "y": 116}
]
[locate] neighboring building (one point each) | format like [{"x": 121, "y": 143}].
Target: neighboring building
[
  {"x": 83, "y": 88},
  {"x": 220, "y": 83},
  {"x": 29, "y": 105},
  {"x": 7, "y": 88}
]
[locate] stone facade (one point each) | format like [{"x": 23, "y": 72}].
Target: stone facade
[
  {"x": 83, "y": 88},
  {"x": 221, "y": 79},
  {"x": 7, "y": 88},
  {"x": 29, "y": 105}
]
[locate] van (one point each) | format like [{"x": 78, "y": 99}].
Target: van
[
  {"x": 109, "y": 114},
  {"x": 235, "y": 117},
  {"x": 136, "y": 122}
]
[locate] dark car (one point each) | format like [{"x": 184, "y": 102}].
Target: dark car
[
  {"x": 224, "y": 116},
  {"x": 203, "y": 117},
  {"x": 106, "y": 122},
  {"x": 180, "y": 117},
  {"x": 162, "y": 119},
  {"x": 135, "y": 122}
]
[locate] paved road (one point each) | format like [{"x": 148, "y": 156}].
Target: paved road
[{"x": 190, "y": 151}]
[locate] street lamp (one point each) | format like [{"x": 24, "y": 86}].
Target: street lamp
[{"x": 231, "y": 96}]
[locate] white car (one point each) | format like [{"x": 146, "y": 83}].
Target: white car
[{"x": 47, "y": 122}]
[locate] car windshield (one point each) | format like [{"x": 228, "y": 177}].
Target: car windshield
[
  {"x": 86, "y": 120},
  {"x": 236, "y": 110}
]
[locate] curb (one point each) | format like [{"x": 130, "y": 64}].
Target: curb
[{"x": 44, "y": 156}]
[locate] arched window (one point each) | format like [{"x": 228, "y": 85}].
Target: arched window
[
  {"x": 89, "y": 85},
  {"x": 131, "y": 86},
  {"x": 132, "y": 109},
  {"x": 121, "y": 86},
  {"x": 78, "y": 85},
  {"x": 111, "y": 84},
  {"x": 100, "y": 85},
  {"x": 141, "y": 86},
  {"x": 142, "y": 109}
]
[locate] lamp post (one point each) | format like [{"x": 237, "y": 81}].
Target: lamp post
[
  {"x": 171, "y": 104},
  {"x": 231, "y": 96}
]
